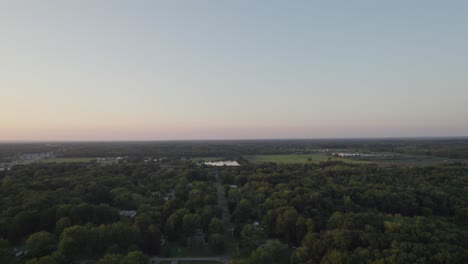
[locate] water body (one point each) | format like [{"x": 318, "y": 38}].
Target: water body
[{"x": 222, "y": 163}]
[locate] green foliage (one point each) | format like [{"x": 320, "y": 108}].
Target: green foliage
[
  {"x": 261, "y": 256},
  {"x": 55, "y": 258},
  {"x": 110, "y": 259},
  {"x": 79, "y": 241},
  {"x": 74, "y": 242},
  {"x": 151, "y": 239},
  {"x": 40, "y": 244},
  {"x": 61, "y": 224},
  {"x": 335, "y": 257},
  {"x": 135, "y": 257},
  {"x": 4, "y": 243},
  {"x": 328, "y": 212},
  {"x": 190, "y": 223},
  {"x": 216, "y": 226},
  {"x": 273, "y": 252},
  {"x": 217, "y": 243}
]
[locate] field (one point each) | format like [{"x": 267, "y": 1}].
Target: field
[
  {"x": 399, "y": 159},
  {"x": 411, "y": 160},
  {"x": 67, "y": 160},
  {"x": 297, "y": 158}
]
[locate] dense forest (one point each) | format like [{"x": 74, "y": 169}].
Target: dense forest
[
  {"x": 324, "y": 212},
  {"x": 336, "y": 213}
]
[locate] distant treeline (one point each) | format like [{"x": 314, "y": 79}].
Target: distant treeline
[{"x": 445, "y": 148}]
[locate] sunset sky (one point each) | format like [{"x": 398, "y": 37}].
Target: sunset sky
[{"x": 158, "y": 70}]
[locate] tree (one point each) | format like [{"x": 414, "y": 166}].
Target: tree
[
  {"x": 243, "y": 211},
  {"x": 40, "y": 244},
  {"x": 301, "y": 229},
  {"x": 276, "y": 249},
  {"x": 135, "y": 257},
  {"x": 4, "y": 243},
  {"x": 26, "y": 222},
  {"x": 217, "y": 243},
  {"x": 190, "y": 223},
  {"x": 55, "y": 258},
  {"x": 151, "y": 239},
  {"x": 261, "y": 256},
  {"x": 335, "y": 257},
  {"x": 143, "y": 221},
  {"x": 286, "y": 224},
  {"x": 273, "y": 252},
  {"x": 74, "y": 242},
  {"x": 61, "y": 224},
  {"x": 307, "y": 252},
  {"x": 461, "y": 216},
  {"x": 111, "y": 259},
  {"x": 174, "y": 222},
  {"x": 216, "y": 226},
  {"x": 248, "y": 237}
]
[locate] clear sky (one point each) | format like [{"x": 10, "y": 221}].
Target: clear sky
[{"x": 156, "y": 70}]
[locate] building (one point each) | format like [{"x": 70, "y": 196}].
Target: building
[{"x": 128, "y": 213}]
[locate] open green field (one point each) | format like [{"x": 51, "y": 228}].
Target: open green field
[
  {"x": 411, "y": 160},
  {"x": 404, "y": 160},
  {"x": 298, "y": 158},
  {"x": 67, "y": 160}
]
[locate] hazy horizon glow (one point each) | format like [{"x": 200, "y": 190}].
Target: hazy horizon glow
[{"x": 162, "y": 70}]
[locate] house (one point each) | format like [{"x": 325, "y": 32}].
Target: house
[
  {"x": 160, "y": 159},
  {"x": 120, "y": 159},
  {"x": 257, "y": 225},
  {"x": 162, "y": 240},
  {"x": 128, "y": 213},
  {"x": 19, "y": 252},
  {"x": 352, "y": 155},
  {"x": 169, "y": 196},
  {"x": 185, "y": 159}
]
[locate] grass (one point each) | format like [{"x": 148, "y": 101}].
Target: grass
[
  {"x": 67, "y": 160},
  {"x": 411, "y": 160},
  {"x": 298, "y": 158}
]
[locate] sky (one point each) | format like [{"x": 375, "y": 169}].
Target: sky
[{"x": 165, "y": 70}]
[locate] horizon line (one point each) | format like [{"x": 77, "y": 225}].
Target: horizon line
[{"x": 230, "y": 139}]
